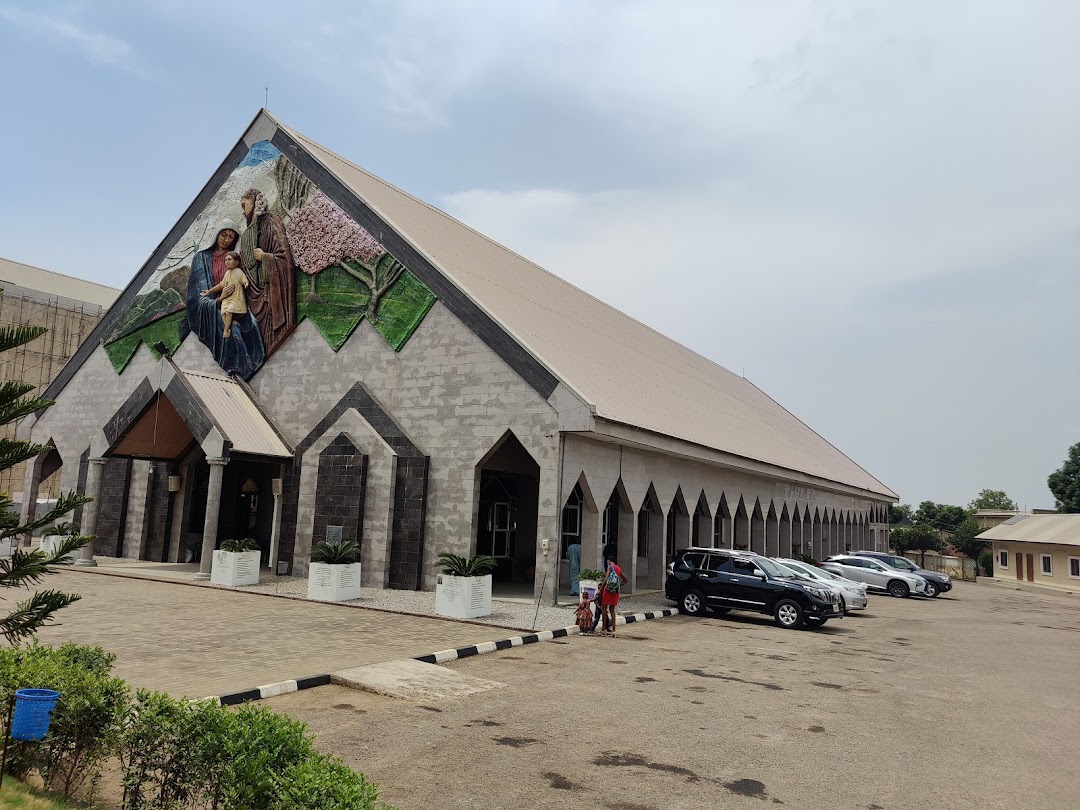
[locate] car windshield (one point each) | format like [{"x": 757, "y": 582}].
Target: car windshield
[
  {"x": 801, "y": 569},
  {"x": 904, "y": 565},
  {"x": 773, "y": 569},
  {"x": 829, "y": 574}
]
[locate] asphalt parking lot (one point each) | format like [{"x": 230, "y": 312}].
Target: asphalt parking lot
[{"x": 969, "y": 700}]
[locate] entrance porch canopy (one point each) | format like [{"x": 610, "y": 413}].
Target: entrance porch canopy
[{"x": 163, "y": 419}]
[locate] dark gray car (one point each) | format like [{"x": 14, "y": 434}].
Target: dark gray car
[{"x": 936, "y": 583}]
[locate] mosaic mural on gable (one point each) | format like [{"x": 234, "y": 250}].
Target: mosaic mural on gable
[{"x": 268, "y": 251}]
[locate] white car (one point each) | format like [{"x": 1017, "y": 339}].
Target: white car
[
  {"x": 877, "y": 576},
  {"x": 854, "y": 593}
]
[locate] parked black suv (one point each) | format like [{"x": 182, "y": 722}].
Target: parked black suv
[
  {"x": 935, "y": 583},
  {"x": 723, "y": 580}
]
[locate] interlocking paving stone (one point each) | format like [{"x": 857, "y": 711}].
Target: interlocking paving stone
[{"x": 199, "y": 641}]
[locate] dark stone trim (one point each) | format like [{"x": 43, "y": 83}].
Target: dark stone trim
[
  {"x": 410, "y": 488},
  {"x": 116, "y": 311},
  {"x": 479, "y": 322},
  {"x": 191, "y": 409},
  {"x": 128, "y": 413},
  {"x": 121, "y": 532}
]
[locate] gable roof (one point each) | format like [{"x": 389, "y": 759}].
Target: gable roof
[
  {"x": 628, "y": 372},
  {"x": 1053, "y": 529},
  {"x": 544, "y": 327},
  {"x": 55, "y": 284}
]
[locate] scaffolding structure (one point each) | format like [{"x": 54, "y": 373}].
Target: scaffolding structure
[{"x": 69, "y": 323}]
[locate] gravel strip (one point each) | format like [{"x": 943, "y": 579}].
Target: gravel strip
[{"x": 422, "y": 603}]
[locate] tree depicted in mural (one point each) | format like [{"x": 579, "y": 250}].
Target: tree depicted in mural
[{"x": 322, "y": 235}]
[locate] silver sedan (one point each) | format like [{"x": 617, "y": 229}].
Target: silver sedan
[{"x": 854, "y": 593}]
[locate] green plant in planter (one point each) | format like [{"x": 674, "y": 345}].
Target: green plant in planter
[
  {"x": 457, "y": 566},
  {"x": 341, "y": 552},
  {"x": 247, "y": 544},
  {"x": 590, "y": 573},
  {"x": 808, "y": 559}
]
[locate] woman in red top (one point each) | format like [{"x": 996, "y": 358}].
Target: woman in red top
[{"x": 613, "y": 582}]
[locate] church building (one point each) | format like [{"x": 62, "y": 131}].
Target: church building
[{"x": 312, "y": 353}]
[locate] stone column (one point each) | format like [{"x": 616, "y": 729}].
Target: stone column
[
  {"x": 213, "y": 507},
  {"x": 94, "y": 470}
]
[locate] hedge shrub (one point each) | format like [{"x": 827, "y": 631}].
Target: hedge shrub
[{"x": 173, "y": 753}]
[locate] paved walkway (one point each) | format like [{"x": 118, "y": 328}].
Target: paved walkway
[{"x": 199, "y": 641}]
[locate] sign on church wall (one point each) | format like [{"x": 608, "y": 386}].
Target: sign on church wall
[{"x": 268, "y": 251}]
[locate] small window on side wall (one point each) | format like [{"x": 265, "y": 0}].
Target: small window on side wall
[
  {"x": 1047, "y": 565},
  {"x": 1003, "y": 558},
  {"x": 1074, "y": 567}
]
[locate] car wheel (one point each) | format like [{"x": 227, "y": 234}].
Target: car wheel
[
  {"x": 788, "y": 614},
  {"x": 692, "y": 603},
  {"x": 899, "y": 589},
  {"x": 931, "y": 589},
  {"x": 720, "y": 611}
]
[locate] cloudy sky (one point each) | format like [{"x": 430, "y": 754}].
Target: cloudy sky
[{"x": 872, "y": 210}]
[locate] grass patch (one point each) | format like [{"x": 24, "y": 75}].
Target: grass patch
[{"x": 17, "y": 796}]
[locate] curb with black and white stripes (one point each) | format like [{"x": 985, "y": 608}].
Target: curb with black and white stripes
[{"x": 441, "y": 657}]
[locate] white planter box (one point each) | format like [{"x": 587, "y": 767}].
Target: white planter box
[
  {"x": 6, "y": 548},
  {"x": 589, "y": 586},
  {"x": 463, "y": 597},
  {"x": 49, "y": 545},
  {"x": 235, "y": 568},
  {"x": 333, "y": 583}
]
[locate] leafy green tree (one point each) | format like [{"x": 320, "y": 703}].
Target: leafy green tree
[
  {"x": 1064, "y": 483},
  {"x": 25, "y": 568},
  {"x": 920, "y": 537},
  {"x": 993, "y": 499},
  {"x": 940, "y": 515},
  {"x": 898, "y": 512},
  {"x": 963, "y": 539}
]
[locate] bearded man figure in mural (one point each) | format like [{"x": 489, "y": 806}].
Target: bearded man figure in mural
[
  {"x": 242, "y": 352},
  {"x": 268, "y": 262}
]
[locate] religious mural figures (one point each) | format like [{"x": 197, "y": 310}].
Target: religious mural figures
[
  {"x": 243, "y": 351},
  {"x": 268, "y": 262},
  {"x": 280, "y": 232}
]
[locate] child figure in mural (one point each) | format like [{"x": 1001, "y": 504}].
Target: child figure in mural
[{"x": 235, "y": 304}]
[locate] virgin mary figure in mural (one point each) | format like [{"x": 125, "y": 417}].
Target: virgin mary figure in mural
[
  {"x": 268, "y": 261},
  {"x": 242, "y": 352}
]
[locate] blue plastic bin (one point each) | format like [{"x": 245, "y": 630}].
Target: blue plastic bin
[{"x": 33, "y": 711}]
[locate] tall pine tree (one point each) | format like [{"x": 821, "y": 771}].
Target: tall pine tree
[{"x": 26, "y": 568}]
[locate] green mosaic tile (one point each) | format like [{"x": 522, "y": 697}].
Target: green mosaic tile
[
  {"x": 339, "y": 306},
  {"x": 402, "y": 309},
  {"x": 166, "y": 330}
]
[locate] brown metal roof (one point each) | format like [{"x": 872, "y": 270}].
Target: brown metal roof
[{"x": 627, "y": 371}]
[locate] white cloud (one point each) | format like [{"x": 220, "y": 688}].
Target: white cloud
[{"x": 98, "y": 48}]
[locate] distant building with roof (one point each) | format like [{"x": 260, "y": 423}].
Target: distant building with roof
[
  {"x": 368, "y": 368},
  {"x": 1042, "y": 549},
  {"x": 69, "y": 308}
]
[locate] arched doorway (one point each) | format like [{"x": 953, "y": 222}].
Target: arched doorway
[{"x": 508, "y": 488}]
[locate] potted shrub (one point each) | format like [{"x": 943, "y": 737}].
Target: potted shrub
[
  {"x": 463, "y": 590},
  {"x": 334, "y": 572},
  {"x": 54, "y": 536},
  {"x": 236, "y": 563},
  {"x": 589, "y": 581}
]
